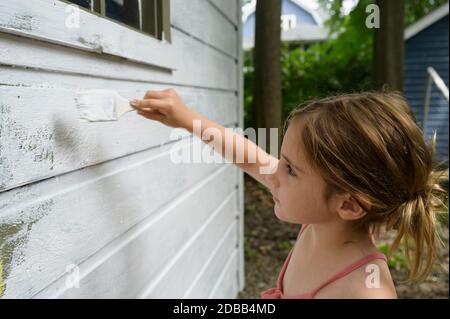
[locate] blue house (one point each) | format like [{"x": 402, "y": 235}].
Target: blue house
[
  {"x": 301, "y": 22},
  {"x": 427, "y": 46}
]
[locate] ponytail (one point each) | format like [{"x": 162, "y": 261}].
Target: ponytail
[{"x": 417, "y": 223}]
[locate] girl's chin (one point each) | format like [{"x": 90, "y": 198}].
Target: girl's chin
[{"x": 279, "y": 214}]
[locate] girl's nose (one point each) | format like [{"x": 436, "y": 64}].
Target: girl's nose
[{"x": 273, "y": 180}]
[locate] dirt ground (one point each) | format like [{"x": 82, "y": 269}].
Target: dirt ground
[{"x": 269, "y": 240}]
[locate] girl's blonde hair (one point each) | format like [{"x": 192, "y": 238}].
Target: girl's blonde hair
[{"x": 369, "y": 145}]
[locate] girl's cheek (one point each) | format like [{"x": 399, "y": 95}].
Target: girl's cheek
[{"x": 287, "y": 205}]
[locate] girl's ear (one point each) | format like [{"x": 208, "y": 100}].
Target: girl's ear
[{"x": 349, "y": 208}]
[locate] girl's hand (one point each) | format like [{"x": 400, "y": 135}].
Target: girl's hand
[{"x": 165, "y": 107}]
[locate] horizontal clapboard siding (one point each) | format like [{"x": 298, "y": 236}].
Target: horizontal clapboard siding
[
  {"x": 52, "y": 22},
  {"x": 231, "y": 10},
  {"x": 51, "y": 140},
  {"x": 217, "y": 71},
  {"x": 126, "y": 264},
  {"x": 206, "y": 26},
  {"x": 107, "y": 198},
  {"x": 429, "y": 48}
]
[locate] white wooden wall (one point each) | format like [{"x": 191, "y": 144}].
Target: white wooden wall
[{"x": 105, "y": 197}]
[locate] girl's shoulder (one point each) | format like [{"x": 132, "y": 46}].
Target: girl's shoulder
[{"x": 370, "y": 281}]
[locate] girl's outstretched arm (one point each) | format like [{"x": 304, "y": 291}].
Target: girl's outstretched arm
[{"x": 167, "y": 107}]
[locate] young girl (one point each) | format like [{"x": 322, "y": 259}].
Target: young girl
[{"x": 349, "y": 166}]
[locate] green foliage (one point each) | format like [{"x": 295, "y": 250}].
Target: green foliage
[
  {"x": 248, "y": 250},
  {"x": 397, "y": 260},
  {"x": 343, "y": 63},
  {"x": 285, "y": 245},
  {"x": 442, "y": 217},
  {"x": 248, "y": 88},
  {"x": 416, "y": 9}
]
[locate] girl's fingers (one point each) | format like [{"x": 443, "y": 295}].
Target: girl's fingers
[
  {"x": 150, "y": 104},
  {"x": 154, "y": 95},
  {"x": 154, "y": 104}
]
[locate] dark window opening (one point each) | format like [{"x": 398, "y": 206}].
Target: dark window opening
[
  {"x": 82, "y": 3},
  {"x": 125, "y": 11},
  {"x": 149, "y": 16}
]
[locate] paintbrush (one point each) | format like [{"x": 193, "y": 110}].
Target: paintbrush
[{"x": 101, "y": 105}]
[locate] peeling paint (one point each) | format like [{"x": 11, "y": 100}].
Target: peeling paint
[
  {"x": 5, "y": 109},
  {"x": 15, "y": 85},
  {"x": 20, "y": 22},
  {"x": 6, "y": 174},
  {"x": 20, "y": 194},
  {"x": 37, "y": 144},
  {"x": 94, "y": 44},
  {"x": 2, "y": 285},
  {"x": 14, "y": 235}
]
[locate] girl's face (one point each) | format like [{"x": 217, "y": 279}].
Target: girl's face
[{"x": 296, "y": 187}]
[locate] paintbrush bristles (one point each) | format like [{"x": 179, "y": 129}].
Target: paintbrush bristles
[
  {"x": 123, "y": 106},
  {"x": 101, "y": 105}
]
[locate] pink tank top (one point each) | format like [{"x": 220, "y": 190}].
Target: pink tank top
[{"x": 277, "y": 293}]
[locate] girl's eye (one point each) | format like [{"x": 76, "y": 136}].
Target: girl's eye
[{"x": 289, "y": 170}]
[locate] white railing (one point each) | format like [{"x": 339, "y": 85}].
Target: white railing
[{"x": 433, "y": 77}]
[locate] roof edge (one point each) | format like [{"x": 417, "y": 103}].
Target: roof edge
[
  {"x": 426, "y": 21},
  {"x": 250, "y": 8}
]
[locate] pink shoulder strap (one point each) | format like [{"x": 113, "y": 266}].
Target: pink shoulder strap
[
  {"x": 349, "y": 269},
  {"x": 301, "y": 230},
  {"x": 288, "y": 258}
]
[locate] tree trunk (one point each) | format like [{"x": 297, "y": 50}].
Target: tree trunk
[
  {"x": 389, "y": 45},
  {"x": 267, "y": 100}
]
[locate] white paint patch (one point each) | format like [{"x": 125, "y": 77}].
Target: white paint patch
[{"x": 101, "y": 105}]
